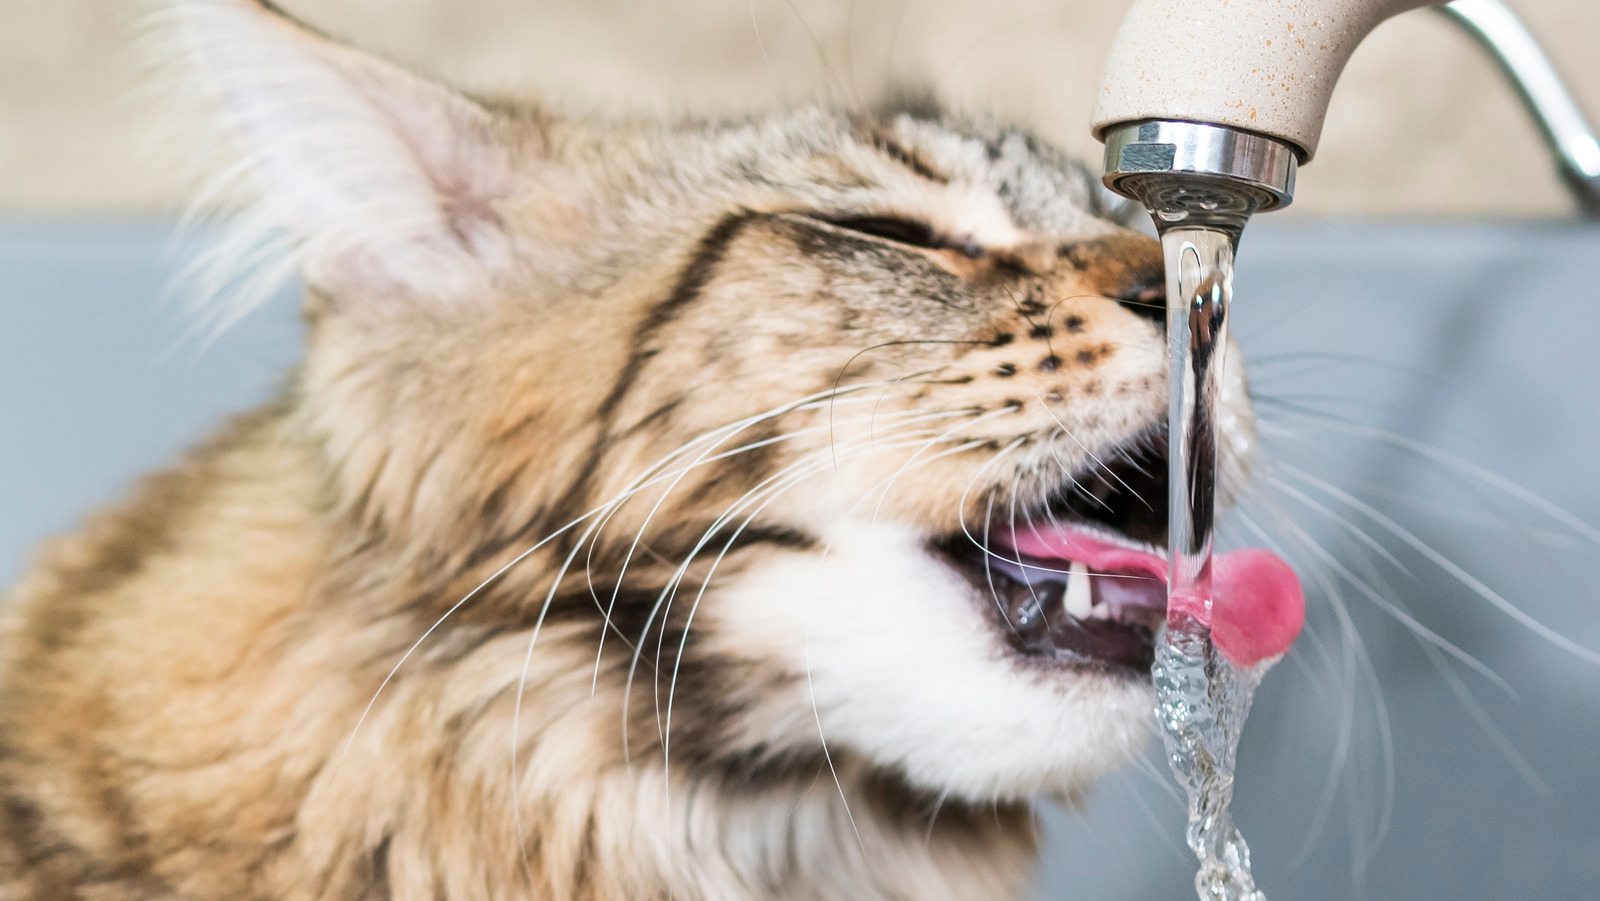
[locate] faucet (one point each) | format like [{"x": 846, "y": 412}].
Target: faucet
[{"x": 1208, "y": 107}]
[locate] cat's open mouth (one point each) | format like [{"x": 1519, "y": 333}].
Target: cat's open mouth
[{"x": 1079, "y": 579}]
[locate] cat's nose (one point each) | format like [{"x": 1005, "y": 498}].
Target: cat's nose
[
  {"x": 1128, "y": 268},
  {"x": 1146, "y": 297}
]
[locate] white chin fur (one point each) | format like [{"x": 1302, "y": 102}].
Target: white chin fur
[{"x": 906, "y": 670}]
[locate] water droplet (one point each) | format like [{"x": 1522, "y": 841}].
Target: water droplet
[
  {"x": 1209, "y": 204},
  {"x": 1170, "y": 215}
]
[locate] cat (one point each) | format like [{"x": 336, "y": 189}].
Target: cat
[{"x": 640, "y": 523}]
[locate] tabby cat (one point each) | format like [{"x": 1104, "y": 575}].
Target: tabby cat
[{"x": 641, "y": 522}]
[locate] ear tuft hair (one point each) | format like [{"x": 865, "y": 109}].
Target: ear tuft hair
[{"x": 384, "y": 186}]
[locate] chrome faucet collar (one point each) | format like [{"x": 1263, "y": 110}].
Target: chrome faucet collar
[{"x": 1192, "y": 169}]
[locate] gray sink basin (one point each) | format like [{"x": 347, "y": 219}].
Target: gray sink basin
[{"x": 1426, "y": 385}]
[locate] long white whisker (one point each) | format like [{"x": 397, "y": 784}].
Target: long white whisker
[
  {"x": 1162, "y": 780},
  {"x": 961, "y": 504},
  {"x": 988, "y": 519},
  {"x": 1016, "y": 480},
  {"x": 761, "y": 496},
  {"x": 496, "y": 575},
  {"x": 988, "y": 567},
  {"x": 684, "y": 639},
  {"x": 871, "y": 425},
  {"x": 478, "y": 589},
  {"x": 787, "y": 473}
]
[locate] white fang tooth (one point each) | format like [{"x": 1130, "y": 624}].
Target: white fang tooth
[{"x": 1080, "y": 599}]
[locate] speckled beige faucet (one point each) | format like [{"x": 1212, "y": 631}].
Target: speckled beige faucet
[{"x": 1266, "y": 66}]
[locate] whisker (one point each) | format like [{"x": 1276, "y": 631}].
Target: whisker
[
  {"x": 453, "y": 608},
  {"x": 767, "y": 494},
  {"x": 1343, "y": 524},
  {"x": 627, "y": 559},
  {"x": 827, "y": 755},
  {"x": 703, "y": 460},
  {"x": 1015, "y": 481},
  {"x": 668, "y": 592},
  {"x": 1071, "y": 477},
  {"x": 900, "y": 343},
  {"x": 1098, "y": 462},
  {"x": 970, "y": 444},
  {"x": 725, "y": 432},
  {"x": 912, "y": 459},
  {"x": 1162, "y": 780},
  {"x": 1494, "y": 733},
  {"x": 1450, "y": 566},
  {"x": 1552, "y": 539},
  {"x": 474, "y": 593},
  {"x": 961, "y": 504},
  {"x": 1460, "y": 465},
  {"x": 822, "y": 57},
  {"x": 761, "y": 45},
  {"x": 894, "y": 41},
  {"x": 885, "y": 393},
  {"x": 764, "y": 494},
  {"x": 1014, "y": 24},
  {"x": 938, "y": 805},
  {"x": 555, "y": 585},
  {"x": 683, "y": 644},
  {"x": 988, "y": 568},
  {"x": 1345, "y": 732},
  {"x": 1410, "y": 622}
]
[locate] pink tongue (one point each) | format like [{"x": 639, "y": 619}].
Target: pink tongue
[{"x": 1257, "y": 607}]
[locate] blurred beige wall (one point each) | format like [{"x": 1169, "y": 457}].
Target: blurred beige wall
[{"x": 1421, "y": 125}]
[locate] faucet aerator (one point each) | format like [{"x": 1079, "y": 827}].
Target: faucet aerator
[{"x": 1200, "y": 174}]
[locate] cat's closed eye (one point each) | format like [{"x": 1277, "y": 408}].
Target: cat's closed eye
[{"x": 900, "y": 230}]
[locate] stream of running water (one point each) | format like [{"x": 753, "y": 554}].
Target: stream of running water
[{"x": 1202, "y": 699}]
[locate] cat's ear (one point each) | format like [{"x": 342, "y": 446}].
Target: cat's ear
[{"x": 387, "y": 185}]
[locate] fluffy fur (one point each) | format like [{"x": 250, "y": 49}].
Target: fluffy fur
[{"x": 591, "y": 552}]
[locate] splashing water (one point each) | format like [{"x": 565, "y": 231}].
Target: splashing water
[{"x": 1201, "y": 703}]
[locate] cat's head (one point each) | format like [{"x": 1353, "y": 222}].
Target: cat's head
[{"x": 780, "y": 396}]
